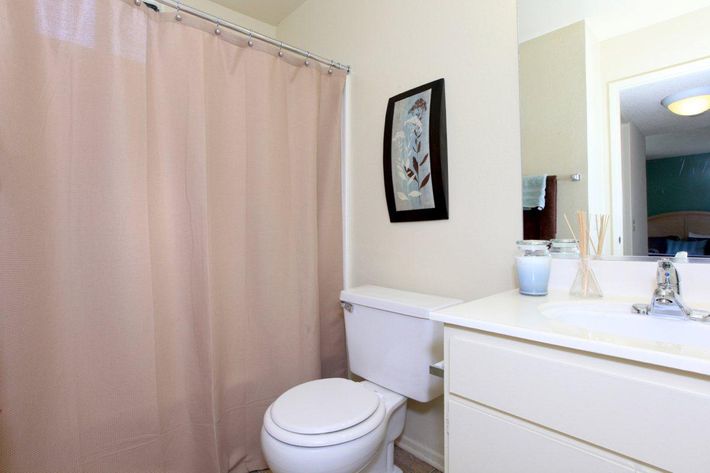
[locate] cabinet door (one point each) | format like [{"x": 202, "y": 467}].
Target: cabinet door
[
  {"x": 655, "y": 416},
  {"x": 482, "y": 440}
]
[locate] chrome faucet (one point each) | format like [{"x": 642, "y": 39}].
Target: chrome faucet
[
  {"x": 666, "y": 301},
  {"x": 666, "y": 298}
]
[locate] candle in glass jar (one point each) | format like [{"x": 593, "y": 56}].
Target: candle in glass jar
[{"x": 533, "y": 266}]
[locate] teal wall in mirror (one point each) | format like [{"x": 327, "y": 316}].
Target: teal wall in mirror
[{"x": 678, "y": 184}]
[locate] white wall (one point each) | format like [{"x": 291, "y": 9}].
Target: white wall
[
  {"x": 598, "y": 193},
  {"x": 607, "y": 18},
  {"x": 675, "y": 41},
  {"x": 553, "y": 108},
  {"x": 633, "y": 153},
  {"x": 395, "y": 45}
]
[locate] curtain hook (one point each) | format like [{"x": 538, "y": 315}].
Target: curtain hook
[
  {"x": 308, "y": 58},
  {"x": 250, "y": 42},
  {"x": 330, "y": 69},
  {"x": 178, "y": 15},
  {"x": 218, "y": 30},
  {"x": 138, "y": 2},
  {"x": 281, "y": 48}
]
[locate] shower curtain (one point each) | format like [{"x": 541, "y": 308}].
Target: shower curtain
[{"x": 170, "y": 238}]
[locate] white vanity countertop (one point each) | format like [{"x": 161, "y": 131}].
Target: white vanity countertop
[{"x": 602, "y": 326}]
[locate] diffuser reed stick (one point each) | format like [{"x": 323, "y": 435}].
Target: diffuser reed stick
[
  {"x": 591, "y": 241},
  {"x": 571, "y": 230},
  {"x": 584, "y": 248},
  {"x": 585, "y": 283},
  {"x": 602, "y": 225}
]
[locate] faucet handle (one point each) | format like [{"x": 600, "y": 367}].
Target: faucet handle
[{"x": 667, "y": 275}]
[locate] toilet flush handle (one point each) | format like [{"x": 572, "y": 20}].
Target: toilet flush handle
[
  {"x": 346, "y": 306},
  {"x": 437, "y": 369}
]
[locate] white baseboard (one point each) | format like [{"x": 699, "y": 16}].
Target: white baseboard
[{"x": 422, "y": 452}]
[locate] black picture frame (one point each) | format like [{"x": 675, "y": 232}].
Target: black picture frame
[{"x": 437, "y": 158}]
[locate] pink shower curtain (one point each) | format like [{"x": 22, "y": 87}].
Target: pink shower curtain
[{"x": 170, "y": 238}]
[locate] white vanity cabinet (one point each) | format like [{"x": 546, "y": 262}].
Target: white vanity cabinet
[{"x": 521, "y": 406}]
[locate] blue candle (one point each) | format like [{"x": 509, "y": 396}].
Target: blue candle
[{"x": 533, "y": 267}]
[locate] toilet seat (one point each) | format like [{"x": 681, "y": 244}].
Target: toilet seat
[{"x": 324, "y": 412}]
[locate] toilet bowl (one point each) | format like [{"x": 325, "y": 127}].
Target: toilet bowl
[
  {"x": 336, "y": 425},
  {"x": 333, "y": 426}
]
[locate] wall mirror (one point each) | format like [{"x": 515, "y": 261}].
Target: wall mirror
[{"x": 614, "y": 99}]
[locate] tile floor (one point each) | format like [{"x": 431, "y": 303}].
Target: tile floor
[{"x": 406, "y": 461}]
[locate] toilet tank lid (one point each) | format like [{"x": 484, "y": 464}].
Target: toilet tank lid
[{"x": 393, "y": 300}]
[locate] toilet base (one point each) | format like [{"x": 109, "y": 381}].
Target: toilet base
[{"x": 383, "y": 462}]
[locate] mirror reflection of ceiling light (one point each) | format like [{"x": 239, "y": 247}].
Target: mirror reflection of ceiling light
[{"x": 689, "y": 102}]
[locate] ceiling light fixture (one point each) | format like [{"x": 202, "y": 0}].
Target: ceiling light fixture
[{"x": 689, "y": 102}]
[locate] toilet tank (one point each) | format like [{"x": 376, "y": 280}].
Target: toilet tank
[{"x": 391, "y": 341}]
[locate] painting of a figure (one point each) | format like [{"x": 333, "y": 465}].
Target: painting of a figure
[{"x": 415, "y": 154}]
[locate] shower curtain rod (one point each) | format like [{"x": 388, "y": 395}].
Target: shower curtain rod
[{"x": 181, "y": 7}]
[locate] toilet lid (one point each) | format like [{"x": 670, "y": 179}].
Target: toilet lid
[{"x": 324, "y": 406}]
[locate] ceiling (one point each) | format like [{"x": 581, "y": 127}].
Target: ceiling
[
  {"x": 667, "y": 134},
  {"x": 607, "y": 18},
  {"x": 268, "y": 11}
]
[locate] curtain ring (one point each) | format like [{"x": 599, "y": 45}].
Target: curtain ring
[
  {"x": 308, "y": 58},
  {"x": 138, "y": 2},
  {"x": 178, "y": 15},
  {"x": 281, "y": 47},
  {"x": 330, "y": 69},
  {"x": 218, "y": 30},
  {"x": 250, "y": 42}
]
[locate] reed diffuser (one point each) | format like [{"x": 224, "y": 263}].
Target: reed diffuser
[{"x": 585, "y": 282}]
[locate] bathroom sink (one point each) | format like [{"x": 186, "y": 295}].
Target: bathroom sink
[{"x": 615, "y": 319}]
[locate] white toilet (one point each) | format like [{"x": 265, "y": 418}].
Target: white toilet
[{"x": 340, "y": 426}]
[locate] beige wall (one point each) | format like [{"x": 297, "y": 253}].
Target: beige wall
[
  {"x": 393, "y": 46},
  {"x": 230, "y": 15},
  {"x": 553, "y": 108}
]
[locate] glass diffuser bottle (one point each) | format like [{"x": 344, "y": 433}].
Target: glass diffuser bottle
[{"x": 585, "y": 282}]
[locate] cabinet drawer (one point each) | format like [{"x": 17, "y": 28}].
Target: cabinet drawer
[
  {"x": 484, "y": 441},
  {"x": 655, "y": 416}
]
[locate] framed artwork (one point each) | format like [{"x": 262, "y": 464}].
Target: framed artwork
[{"x": 414, "y": 154}]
